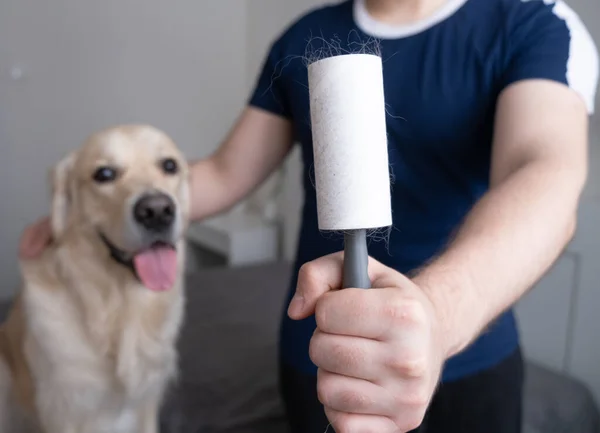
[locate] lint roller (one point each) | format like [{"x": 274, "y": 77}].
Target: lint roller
[{"x": 348, "y": 117}]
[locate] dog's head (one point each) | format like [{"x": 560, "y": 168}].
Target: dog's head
[{"x": 129, "y": 187}]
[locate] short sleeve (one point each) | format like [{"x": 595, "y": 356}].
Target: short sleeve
[
  {"x": 269, "y": 91},
  {"x": 548, "y": 40}
]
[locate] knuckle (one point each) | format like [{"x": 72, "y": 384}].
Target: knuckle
[
  {"x": 308, "y": 274},
  {"x": 417, "y": 398},
  {"x": 403, "y": 312},
  {"x": 392, "y": 308},
  {"x": 409, "y": 425},
  {"x": 321, "y": 312},
  {"x": 346, "y": 424},
  {"x": 323, "y": 393},
  {"x": 314, "y": 349},
  {"x": 411, "y": 421},
  {"x": 414, "y": 368},
  {"x": 325, "y": 311},
  {"x": 413, "y": 311},
  {"x": 414, "y": 397},
  {"x": 408, "y": 365}
]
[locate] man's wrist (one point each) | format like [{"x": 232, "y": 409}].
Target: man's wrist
[{"x": 460, "y": 312}]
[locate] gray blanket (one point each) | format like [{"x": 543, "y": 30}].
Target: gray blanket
[{"x": 228, "y": 352}]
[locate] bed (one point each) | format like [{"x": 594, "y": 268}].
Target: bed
[{"x": 228, "y": 350}]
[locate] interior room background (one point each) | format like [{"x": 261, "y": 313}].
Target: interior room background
[{"x": 68, "y": 68}]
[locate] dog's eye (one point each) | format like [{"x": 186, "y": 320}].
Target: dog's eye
[
  {"x": 105, "y": 174},
  {"x": 169, "y": 166}
]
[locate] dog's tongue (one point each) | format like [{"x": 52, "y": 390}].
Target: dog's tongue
[{"x": 157, "y": 267}]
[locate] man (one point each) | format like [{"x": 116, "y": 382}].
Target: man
[{"x": 488, "y": 104}]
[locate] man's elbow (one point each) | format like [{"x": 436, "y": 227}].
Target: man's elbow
[
  {"x": 576, "y": 179},
  {"x": 571, "y": 228},
  {"x": 572, "y": 222}
]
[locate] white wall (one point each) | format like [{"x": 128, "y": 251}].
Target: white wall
[{"x": 180, "y": 65}]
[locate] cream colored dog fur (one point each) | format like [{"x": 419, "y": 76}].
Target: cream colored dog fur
[{"x": 87, "y": 347}]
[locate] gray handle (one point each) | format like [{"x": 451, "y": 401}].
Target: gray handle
[{"x": 356, "y": 260}]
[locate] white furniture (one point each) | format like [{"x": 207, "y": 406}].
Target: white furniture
[{"x": 233, "y": 239}]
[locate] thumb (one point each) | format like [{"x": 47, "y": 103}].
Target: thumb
[{"x": 315, "y": 278}]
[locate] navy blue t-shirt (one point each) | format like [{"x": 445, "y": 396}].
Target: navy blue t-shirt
[{"x": 442, "y": 79}]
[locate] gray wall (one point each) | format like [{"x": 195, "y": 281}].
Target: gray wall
[
  {"x": 262, "y": 29},
  {"x": 589, "y": 11},
  {"x": 178, "y": 64},
  {"x": 86, "y": 65}
]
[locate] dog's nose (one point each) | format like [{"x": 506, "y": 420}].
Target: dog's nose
[{"x": 155, "y": 212}]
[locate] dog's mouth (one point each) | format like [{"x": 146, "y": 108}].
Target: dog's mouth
[{"x": 155, "y": 266}]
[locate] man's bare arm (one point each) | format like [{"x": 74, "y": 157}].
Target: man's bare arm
[
  {"x": 255, "y": 147},
  {"x": 519, "y": 228}
]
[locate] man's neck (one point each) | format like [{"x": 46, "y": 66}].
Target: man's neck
[{"x": 402, "y": 11}]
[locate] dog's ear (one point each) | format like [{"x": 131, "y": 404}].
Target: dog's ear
[{"x": 62, "y": 194}]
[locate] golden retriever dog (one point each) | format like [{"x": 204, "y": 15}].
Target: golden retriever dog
[{"x": 89, "y": 345}]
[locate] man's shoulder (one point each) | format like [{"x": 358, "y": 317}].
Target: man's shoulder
[
  {"x": 549, "y": 35},
  {"x": 514, "y": 16},
  {"x": 521, "y": 16}
]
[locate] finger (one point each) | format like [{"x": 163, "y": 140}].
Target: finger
[
  {"x": 315, "y": 278},
  {"x": 324, "y": 275},
  {"x": 382, "y": 276},
  {"x": 352, "y": 395},
  {"x": 358, "y": 423},
  {"x": 374, "y": 314},
  {"x": 353, "y": 357}
]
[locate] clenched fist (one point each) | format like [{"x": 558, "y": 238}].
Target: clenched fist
[{"x": 379, "y": 351}]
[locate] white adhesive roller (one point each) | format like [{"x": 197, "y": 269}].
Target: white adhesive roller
[{"x": 347, "y": 108}]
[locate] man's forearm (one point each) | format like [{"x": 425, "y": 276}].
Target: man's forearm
[
  {"x": 255, "y": 147},
  {"x": 506, "y": 244},
  {"x": 210, "y": 193}
]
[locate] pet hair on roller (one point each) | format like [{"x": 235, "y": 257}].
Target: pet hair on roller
[{"x": 352, "y": 181}]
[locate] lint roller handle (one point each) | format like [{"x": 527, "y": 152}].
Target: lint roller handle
[{"x": 356, "y": 260}]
